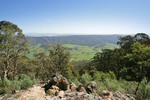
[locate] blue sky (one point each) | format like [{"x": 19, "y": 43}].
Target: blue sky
[{"x": 78, "y": 16}]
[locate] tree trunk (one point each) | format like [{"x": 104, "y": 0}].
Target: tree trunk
[
  {"x": 15, "y": 65},
  {"x": 5, "y": 68},
  {"x": 4, "y": 72}
]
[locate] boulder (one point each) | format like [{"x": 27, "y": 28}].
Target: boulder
[
  {"x": 106, "y": 94},
  {"x": 73, "y": 87},
  {"x": 59, "y": 81},
  {"x": 91, "y": 87},
  {"x": 81, "y": 88},
  {"x": 118, "y": 94}
]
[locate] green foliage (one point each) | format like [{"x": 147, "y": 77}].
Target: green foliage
[
  {"x": 76, "y": 81},
  {"x": 16, "y": 85},
  {"x": 130, "y": 62},
  {"x": 25, "y": 81},
  {"x": 6, "y": 82},
  {"x": 12, "y": 43},
  {"x": 108, "y": 81},
  {"x": 123, "y": 73},
  {"x": 59, "y": 59},
  {"x": 5, "y": 86},
  {"x": 143, "y": 92},
  {"x": 100, "y": 76},
  {"x": 2, "y": 91},
  {"x": 22, "y": 82},
  {"x": 85, "y": 78}
]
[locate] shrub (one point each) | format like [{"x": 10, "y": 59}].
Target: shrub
[
  {"x": 6, "y": 82},
  {"x": 85, "y": 78},
  {"x": 100, "y": 76},
  {"x": 143, "y": 92},
  {"x": 25, "y": 81},
  {"x": 5, "y": 86},
  {"x": 2, "y": 91},
  {"x": 75, "y": 81},
  {"x": 128, "y": 86},
  {"x": 108, "y": 81},
  {"x": 22, "y": 82},
  {"x": 16, "y": 84}
]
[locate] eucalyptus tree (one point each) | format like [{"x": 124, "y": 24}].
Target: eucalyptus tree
[
  {"x": 12, "y": 43},
  {"x": 59, "y": 58}
]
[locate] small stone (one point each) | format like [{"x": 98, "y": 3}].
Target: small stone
[
  {"x": 52, "y": 92},
  {"x": 61, "y": 94},
  {"x": 73, "y": 87},
  {"x": 54, "y": 87}
]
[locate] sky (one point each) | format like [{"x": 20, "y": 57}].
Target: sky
[{"x": 78, "y": 16}]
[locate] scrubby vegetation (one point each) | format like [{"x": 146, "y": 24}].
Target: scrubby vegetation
[
  {"x": 124, "y": 69},
  {"x": 20, "y": 82}
]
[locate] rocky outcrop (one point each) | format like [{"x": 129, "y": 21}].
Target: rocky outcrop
[
  {"x": 58, "y": 88},
  {"x": 75, "y": 96},
  {"x": 59, "y": 81}
]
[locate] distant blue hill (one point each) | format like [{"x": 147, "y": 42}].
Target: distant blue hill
[
  {"x": 41, "y": 34},
  {"x": 86, "y": 40}
]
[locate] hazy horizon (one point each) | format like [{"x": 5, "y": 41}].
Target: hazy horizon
[{"x": 78, "y": 16}]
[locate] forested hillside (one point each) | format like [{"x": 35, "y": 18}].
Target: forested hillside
[
  {"x": 81, "y": 47},
  {"x": 85, "y": 40}
]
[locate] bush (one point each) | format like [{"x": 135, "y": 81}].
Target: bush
[
  {"x": 108, "y": 81},
  {"x": 2, "y": 91},
  {"x": 85, "y": 78},
  {"x": 100, "y": 76},
  {"x": 6, "y": 82},
  {"x": 25, "y": 81},
  {"x": 113, "y": 85},
  {"x": 75, "y": 81},
  {"x": 5, "y": 86},
  {"x": 22, "y": 82},
  {"x": 128, "y": 86},
  {"x": 16, "y": 84},
  {"x": 143, "y": 92}
]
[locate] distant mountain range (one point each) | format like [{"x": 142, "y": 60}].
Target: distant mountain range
[
  {"x": 42, "y": 34},
  {"x": 85, "y": 40}
]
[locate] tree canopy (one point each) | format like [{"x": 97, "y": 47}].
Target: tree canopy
[{"x": 12, "y": 43}]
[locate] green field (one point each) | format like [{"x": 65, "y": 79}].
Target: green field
[{"x": 78, "y": 52}]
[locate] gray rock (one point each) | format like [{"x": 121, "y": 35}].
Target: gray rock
[
  {"x": 81, "y": 88},
  {"x": 61, "y": 94},
  {"x": 91, "y": 87},
  {"x": 59, "y": 81},
  {"x": 73, "y": 87}
]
